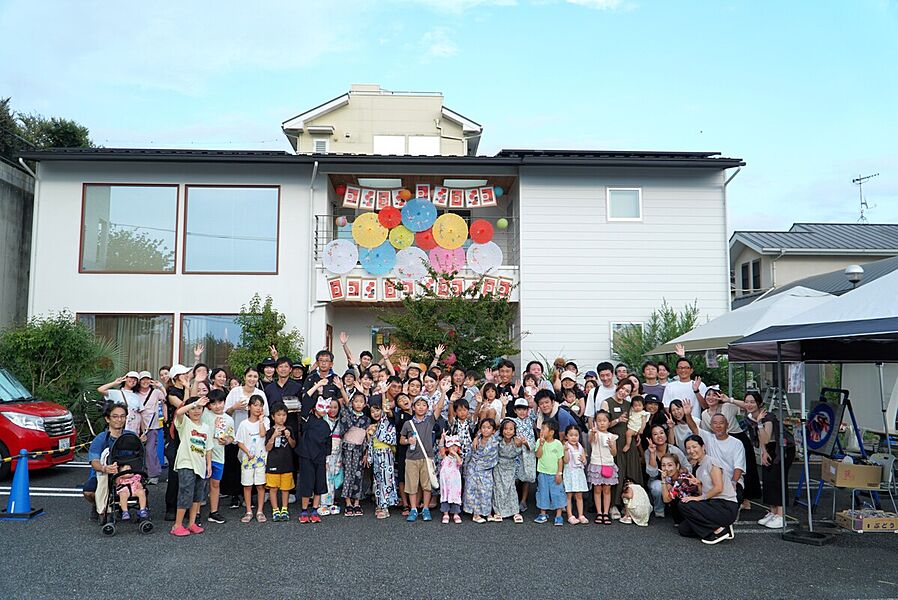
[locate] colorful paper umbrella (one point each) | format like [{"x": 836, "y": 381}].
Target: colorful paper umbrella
[
  {"x": 378, "y": 261},
  {"x": 340, "y": 256},
  {"x": 401, "y": 237},
  {"x": 424, "y": 240},
  {"x": 389, "y": 217},
  {"x": 411, "y": 263},
  {"x": 418, "y": 214},
  {"x": 340, "y": 190},
  {"x": 447, "y": 261},
  {"x": 481, "y": 231},
  {"x": 483, "y": 258},
  {"x": 405, "y": 194},
  {"x": 450, "y": 231},
  {"x": 368, "y": 232}
]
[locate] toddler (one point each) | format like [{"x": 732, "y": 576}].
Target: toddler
[
  {"x": 450, "y": 479},
  {"x": 637, "y": 505},
  {"x": 574, "y": 475},
  {"x": 636, "y": 421},
  {"x": 127, "y": 486}
]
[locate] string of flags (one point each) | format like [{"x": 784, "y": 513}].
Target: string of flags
[
  {"x": 442, "y": 197},
  {"x": 363, "y": 289}
]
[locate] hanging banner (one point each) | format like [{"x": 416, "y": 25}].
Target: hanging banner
[
  {"x": 351, "y": 197},
  {"x": 369, "y": 290},
  {"x": 422, "y": 190},
  {"x": 366, "y": 200},
  {"x": 353, "y": 288},
  {"x": 487, "y": 196},
  {"x": 338, "y": 292}
]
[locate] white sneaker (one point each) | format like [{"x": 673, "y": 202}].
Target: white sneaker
[
  {"x": 776, "y": 522},
  {"x": 766, "y": 519},
  {"x": 615, "y": 513},
  {"x": 292, "y": 500}
]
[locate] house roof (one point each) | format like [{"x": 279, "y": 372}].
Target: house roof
[{"x": 822, "y": 238}]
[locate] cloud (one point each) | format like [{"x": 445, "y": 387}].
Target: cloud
[{"x": 438, "y": 43}]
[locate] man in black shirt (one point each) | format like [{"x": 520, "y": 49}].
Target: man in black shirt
[{"x": 318, "y": 384}]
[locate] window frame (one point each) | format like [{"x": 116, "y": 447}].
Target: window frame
[
  {"x": 327, "y": 145},
  {"x": 181, "y": 316},
  {"x": 277, "y": 250},
  {"x": 745, "y": 278},
  {"x": 80, "y": 258},
  {"x": 756, "y": 274},
  {"x": 82, "y": 313},
  {"x": 611, "y": 332},
  {"x": 608, "y": 216}
]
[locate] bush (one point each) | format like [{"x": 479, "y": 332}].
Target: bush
[
  {"x": 262, "y": 327},
  {"x": 60, "y": 360}
]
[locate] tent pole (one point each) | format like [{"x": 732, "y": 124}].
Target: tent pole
[
  {"x": 730, "y": 390},
  {"x": 882, "y": 404},
  {"x": 804, "y": 447},
  {"x": 781, "y": 450}
]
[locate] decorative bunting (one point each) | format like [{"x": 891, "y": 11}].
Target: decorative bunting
[
  {"x": 351, "y": 197},
  {"x": 369, "y": 290},
  {"x": 422, "y": 190},
  {"x": 366, "y": 200},
  {"x": 503, "y": 288},
  {"x": 353, "y": 288},
  {"x": 338, "y": 292},
  {"x": 456, "y": 198},
  {"x": 487, "y": 197},
  {"x": 472, "y": 198}
]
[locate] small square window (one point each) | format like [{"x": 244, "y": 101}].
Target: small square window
[
  {"x": 624, "y": 204},
  {"x": 320, "y": 146}
]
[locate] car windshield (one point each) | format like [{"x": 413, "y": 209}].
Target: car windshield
[{"x": 10, "y": 388}]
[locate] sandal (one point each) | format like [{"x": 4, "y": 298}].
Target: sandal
[
  {"x": 445, "y": 520},
  {"x": 479, "y": 519},
  {"x": 246, "y": 518},
  {"x": 599, "y": 519},
  {"x": 260, "y": 517},
  {"x": 405, "y": 511},
  {"x": 518, "y": 519},
  {"x": 456, "y": 518},
  {"x": 606, "y": 519}
]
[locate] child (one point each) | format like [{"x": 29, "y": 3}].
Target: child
[
  {"x": 491, "y": 407},
  {"x": 221, "y": 425},
  {"x": 192, "y": 463},
  {"x": 525, "y": 422},
  {"x": 401, "y": 414},
  {"x": 250, "y": 439},
  {"x": 354, "y": 423},
  {"x": 636, "y": 420},
  {"x": 505, "y": 496},
  {"x": 334, "y": 465},
  {"x": 417, "y": 434},
  {"x": 313, "y": 450},
  {"x": 574, "y": 476},
  {"x": 676, "y": 484},
  {"x": 471, "y": 389},
  {"x": 549, "y": 468},
  {"x": 602, "y": 471},
  {"x": 280, "y": 440},
  {"x": 450, "y": 479},
  {"x": 381, "y": 452},
  {"x": 637, "y": 506},
  {"x": 479, "y": 473},
  {"x": 462, "y": 425},
  {"x": 127, "y": 486}
]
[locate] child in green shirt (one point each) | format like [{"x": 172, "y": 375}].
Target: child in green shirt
[{"x": 549, "y": 469}]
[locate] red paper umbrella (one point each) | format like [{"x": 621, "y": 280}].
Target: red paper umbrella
[
  {"x": 481, "y": 231},
  {"x": 424, "y": 240},
  {"x": 389, "y": 217},
  {"x": 340, "y": 190},
  {"x": 405, "y": 194}
]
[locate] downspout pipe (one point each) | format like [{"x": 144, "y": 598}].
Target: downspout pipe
[{"x": 729, "y": 300}]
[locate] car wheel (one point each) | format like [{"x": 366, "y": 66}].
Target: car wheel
[{"x": 5, "y": 467}]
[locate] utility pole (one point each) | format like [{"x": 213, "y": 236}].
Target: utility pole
[{"x": 859, "y": 181}]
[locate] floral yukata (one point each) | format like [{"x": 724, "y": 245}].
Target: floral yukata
[{"x": 479, "y": 476}]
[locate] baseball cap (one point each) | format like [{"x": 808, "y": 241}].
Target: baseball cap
[
  {"x": 296, "y": 364},
  {"x": 133, "y": 374},
  {"x": 178, "y": 370},
  {"x": 267, "y": 362},
  {"x": 592, "y": 374},
  {"x": 521, "y": 403},
  {"x": 649, "y": 398},
  {"x": 145, "y": 375},
  {"x": 568, "y": 375}
]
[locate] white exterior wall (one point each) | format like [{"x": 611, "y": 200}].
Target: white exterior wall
[
  {"x": 580, "y": 272},
  {"x": 56, "y": 283}
]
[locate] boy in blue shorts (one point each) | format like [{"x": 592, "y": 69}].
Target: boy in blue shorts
[{"x": 221, "y": 424}]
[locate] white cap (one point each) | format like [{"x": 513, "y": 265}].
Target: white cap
[
  {"x": 145, "y": 375},
  {"x": 178, "y": 370},
  {"x": 133, "y": 374},
  {"x": 568, "y": 375}
]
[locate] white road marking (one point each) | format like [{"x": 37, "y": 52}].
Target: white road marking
[
  {"x": 4, "y": 488},
  {"x": 48, "y": 495}
]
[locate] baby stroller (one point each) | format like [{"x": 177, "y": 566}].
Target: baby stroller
[{"x": 128, "y": 452}]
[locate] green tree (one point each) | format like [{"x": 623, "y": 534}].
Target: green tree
[
  {"x": 128, "y": 250},
  {"x": 60, "y": 360},
  {"x": 474, "y": 326},
  {"x": 11, "y": 142},
  {"x": 262, "y": 327},
  {"x": 54, "y": 132}
]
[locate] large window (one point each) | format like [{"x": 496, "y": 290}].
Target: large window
[
  {"x": 624, "y": 204},
  {"x": 231, "y": 229},
  {"x": 128, "y": 228},
  {"x": 219, "y": 334},
  {"x": 145, "y": 340}
]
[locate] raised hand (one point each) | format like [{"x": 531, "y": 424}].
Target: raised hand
[
  {"x": 687, "y": 406},
  {"x": 488, "y": 375},
  {"x": 445, "y": 384},
  {"x": 198, "y": 351},
  {"x": 391, "y": 350},
  {"x": 696, "y": 383},
  {"x": 403, "y": 363},
  {"x": 680, "y": 349},
  {"x": 438, "y": 351},
  {"x": 344, "y": 338},
  {"x": 516, "y": 387}
]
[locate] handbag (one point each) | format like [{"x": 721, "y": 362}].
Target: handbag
[
  {"x": 431, "y": 469},
  {"x": 607, "y": 471}
]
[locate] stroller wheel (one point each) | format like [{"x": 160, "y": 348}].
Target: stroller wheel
[
  {"x": 108, "y": 529},
  {"x": 145, "y": 527}
]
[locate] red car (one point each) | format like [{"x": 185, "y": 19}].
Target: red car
[{"x": 32, "y": 424}]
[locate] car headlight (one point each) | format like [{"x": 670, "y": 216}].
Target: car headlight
[{"x": 25, "y": 421}]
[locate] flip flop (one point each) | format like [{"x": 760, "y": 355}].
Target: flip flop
[
  {"x": 260, "y": 517},
  {"x": 246, "y": 518}
]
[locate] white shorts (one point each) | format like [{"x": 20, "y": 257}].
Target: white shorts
[{"x": 252, "y": 475}]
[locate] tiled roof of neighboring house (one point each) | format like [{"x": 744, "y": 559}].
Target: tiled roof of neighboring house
[{"x": 823, "y": 238}]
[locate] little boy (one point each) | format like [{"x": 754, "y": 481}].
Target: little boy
[
  {"x": 279, "y": 443},
  {"x": 192, "y": 463},
  {"x": 313, "y": 450},
  {"x": 471, "y": 389},
  {"x": 417, "y": 434},
  {"x": 636, "y": 420},
  {"x": 221, "y": 424},
  {"x": 549, "y": 468}
]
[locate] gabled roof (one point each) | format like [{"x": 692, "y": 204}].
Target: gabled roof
[{"x": 822, "y": 238}]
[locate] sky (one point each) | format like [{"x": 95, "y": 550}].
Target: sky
[{"x": 806, "y": 92}]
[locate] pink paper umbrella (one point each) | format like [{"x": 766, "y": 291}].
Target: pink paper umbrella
[{"x": 447, "y": 261}]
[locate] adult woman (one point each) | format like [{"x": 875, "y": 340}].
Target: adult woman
[
  {"x": 628, "y": 464},
  {"x": 637, "y": 385},
  {"x": 658, "y": 446},
  {"x": 677, "y": 428},
  {"x": 115, "y": 415},
  {"x": 236, "y": 405},
  {"x": 152, "y": 397},
  {"x": 711, "y": 515},
  {"x": 175, "y": 396},
  {"x": 219, "y": 380},
  {"x": 764, "y": 431},
  {"x": 720, "y": 403},
  {"x": 200, "y": 373}
]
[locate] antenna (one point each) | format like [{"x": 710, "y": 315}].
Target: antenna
[{"x": 859, "y": 181}]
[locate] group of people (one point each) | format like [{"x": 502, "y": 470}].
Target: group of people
[{"x": 419, "y": 438}]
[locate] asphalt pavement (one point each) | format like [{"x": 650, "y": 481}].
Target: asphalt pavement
[{"x": 63, "y": 555}]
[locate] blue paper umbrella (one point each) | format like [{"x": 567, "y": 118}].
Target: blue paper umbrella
[
  {"x": 379, "y": 260},
  {"x": 418, "y": 214}
]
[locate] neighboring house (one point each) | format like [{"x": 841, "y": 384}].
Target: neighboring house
[
  {"x": 762, "y": 260},
  {"x": 158, "y": 249},
  {"x": 836, "y": 282},
  {"x": 16, "y": 199},
  {"x": 370, "y": 120}
]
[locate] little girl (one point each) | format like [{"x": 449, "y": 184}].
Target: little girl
[
  {"x": 354, "y": 423},
  {"x": 574, "y": 476},
  {"x": 505, "y": 496},
  {"x": 490, "y": 406},
  {"x": 450, "y": 479},
  {"x": 676, "y": 484},
  {"x": 479, "y": 472},
  {"x": 381, "y": 453},
  {"x": 602, "y": 472},
  {"x": 525, "y": 423},
  {"x": 334, "y": 464},
  {"x": 250, "y": 439},
  {"x": 637, "y": 505}
]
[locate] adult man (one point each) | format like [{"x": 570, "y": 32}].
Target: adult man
[
  {"x": 504, "y": 386},
  {"x": 601, "y": 393},
  {"x": 115, "y": 415},
  {"x": 320, "y": 383},
  {"x": 621, "y": 371},
  {"x": 650, "y": 375},
  {"x": 550, "y": 409},
  {"x": 722, "y": 446},
  {"x": 365, "y": 358},
  {"x": 284, "y": 386},
  {"x": 685, "y": 388}
]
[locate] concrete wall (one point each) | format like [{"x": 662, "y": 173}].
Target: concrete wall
[{"x": 16, "y": 206}]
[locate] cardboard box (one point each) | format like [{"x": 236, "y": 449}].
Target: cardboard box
[
  {"x": 843, "y": 475},
  {"x": 861, "y": 522}
]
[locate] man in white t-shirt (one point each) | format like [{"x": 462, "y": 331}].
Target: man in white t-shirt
[
  {"x": 685, "y": 388},
  {"x": 602, "y": 392},
  {"x": 724, "y": 447}
]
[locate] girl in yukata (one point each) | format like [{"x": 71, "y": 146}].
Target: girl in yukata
[
  {"x": 381, "y": 455},
  {"x": 450, "y": 479},
  {"x": 505, "y": 496},
  {"x": 354, "y": 423},
  {"x": 334, "y": 465},
  {"x": 479, "y": 472},
  {"x": 525, "y": 423}
]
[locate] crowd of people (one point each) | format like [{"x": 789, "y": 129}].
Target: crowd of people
[{"x": 418, "y": 438}]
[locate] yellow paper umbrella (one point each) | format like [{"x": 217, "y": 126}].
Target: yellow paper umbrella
[
  {"x": 401, "y": 237},
  {"x": 368, "y": 232},
  {"x": 450, "y": 231}
]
